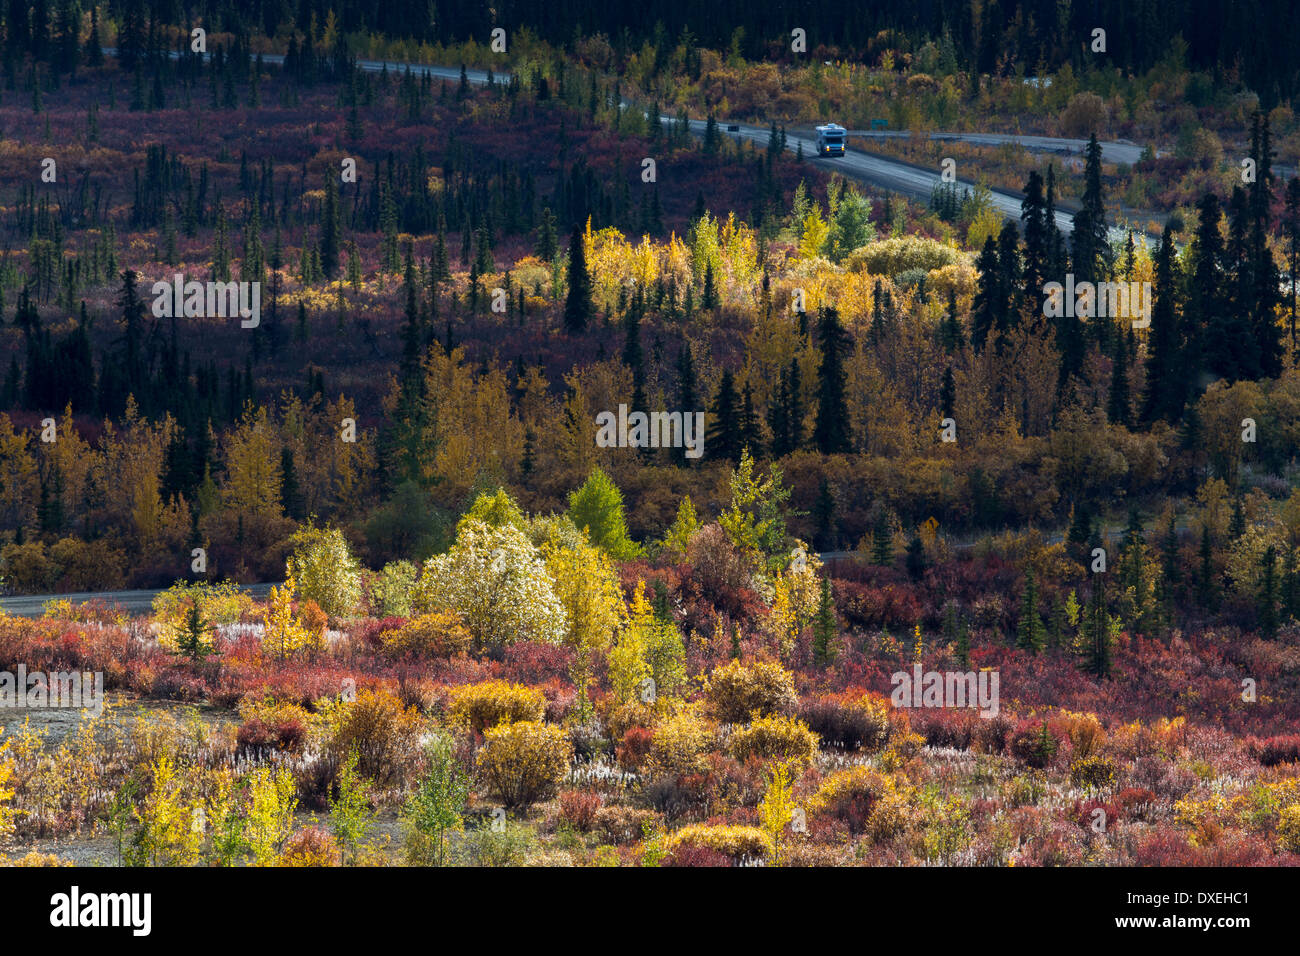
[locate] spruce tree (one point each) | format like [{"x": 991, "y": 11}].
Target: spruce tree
[
  {"x": 577, "y": 302},
  {"x": 722, "y": 438},
  {"x": 825, "y": 627},
  {"x": 1269, "y": 593},
  {"x": 986, "y": 310},
  {"x": 1206, "y": 592},
  {"x": 1117, "y": 406},
  {"x": 914, "y": 559},
  {"x": 824, "y": 516},
  {"x": 948, "y": 394},
  {"x": 882, "y": 540},
  {"x": 687, "y": 398},
  {"x": 831, "y": 431},
  {"x": 1030, "y": 633},
  {"x": 1166, "y": 388},
  {"x": 1096, "y": 629}
]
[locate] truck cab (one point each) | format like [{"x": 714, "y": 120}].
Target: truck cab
[{"x": 831, "y": 139}]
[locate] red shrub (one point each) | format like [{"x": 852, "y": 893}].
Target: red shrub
[
  {"x": 258, "y": 736},
  {"x": 1271, "y": 751},
  {"x": 945, "y": 727},
  {"x": 1135, "y": 803},
  {"x": 531, "y": 662},
  {"x": 1034, "y": 744},
  {"x": 635, "y": 747},
  {"x": 1174, "y": 849},
  {"x": 869, "y": 608},
  {"x": 578, "y": 808},
  {"x": 846, "y": 720}
]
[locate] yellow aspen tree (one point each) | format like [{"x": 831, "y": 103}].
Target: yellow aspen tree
[
  {"x": 252, "y": 487},
  {"x": 284, "y": 633},
  {"x": 18, "y": 482}
]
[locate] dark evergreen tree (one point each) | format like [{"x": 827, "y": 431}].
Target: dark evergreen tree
[
  {"x": 882, "y": 540},
  {"x": 1096, "y": 629},
  {"x": 948, "y": 395},
  {"x": 1269, "y": 593},
  {"x": 722, "y": 438},
  {"x": 986, "y": 312},
  {"x": 825, "y": 627},
  {"x": 577, "y": 302},
  {"x": 832, "y": 430},
  {"x": 914, "y": 559},
  {"x": 823, "y": 514},
  {"x": 1117, "y": 406},
  {"x": 1166, "y": 387},
  {"x": 750, "y": 434},
  {"x": 1031, "y": 635}
]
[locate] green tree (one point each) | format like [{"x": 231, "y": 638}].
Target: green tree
[
  {"x": 1269, "y": 592},
  {"x": 325, "y": 570},
  {"x": 831, "y": 431},
  {"x": 825, "y": 627},
  {"x": 351, "y": 816},
  {"x": 597, "y": 508},
  {"x": 882, "y": 540},
  {"x": 1030, "y": 633},
  {"x": 852, "y": 226},
  {"x": 577, "y": 302},
  {"x": 193, "y": 640},
  {"x": 437, "y": 805},
  {"x": 756, "y": 519},
  {"x": 330, "y": 242},
  {"x": 1098, "y": 629}
]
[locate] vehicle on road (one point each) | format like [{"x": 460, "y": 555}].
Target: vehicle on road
[{"x": 831, "y": 139}]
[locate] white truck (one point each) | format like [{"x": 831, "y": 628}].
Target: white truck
[{"x": 831, "y": 139}]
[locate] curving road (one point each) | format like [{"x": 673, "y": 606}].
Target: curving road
[{"x": 916, "y": 182}]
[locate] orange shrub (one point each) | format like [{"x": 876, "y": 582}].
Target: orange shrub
[{"x": 439, "y": 634}]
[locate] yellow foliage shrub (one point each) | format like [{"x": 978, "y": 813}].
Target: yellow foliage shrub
[
  {"x": 774, "y": 738},
  {"x": 678, "y": 746},
  {"x": 864, "y": 798},
  {"x": 35, "y": 858},
  {"x": 900, "y": 253},
  {"x": 735, "y": 692},
  {"x": 439, "y": 634},
  {"x": 1084, "y": 731},
  {"x": 312, "y": 846},
  {"x": 1288, "y": 828},
  {"x": 483, "y": 706},
  {"x": 383, "y": 731},
  {"x": 524, "y": 762},
  {"x": 733, "y": 841}
]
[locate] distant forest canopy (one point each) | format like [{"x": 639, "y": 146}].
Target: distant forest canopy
[{"x": 1252, "y": 42}]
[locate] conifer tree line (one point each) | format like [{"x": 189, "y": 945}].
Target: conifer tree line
[{"x": 986, "y": 37}]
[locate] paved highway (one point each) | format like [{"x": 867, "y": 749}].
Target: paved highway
[
  {"x": 1119, "y": 151},
  {"x": 908, "y": 179},
  {"x": 133, "y": 602}
]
